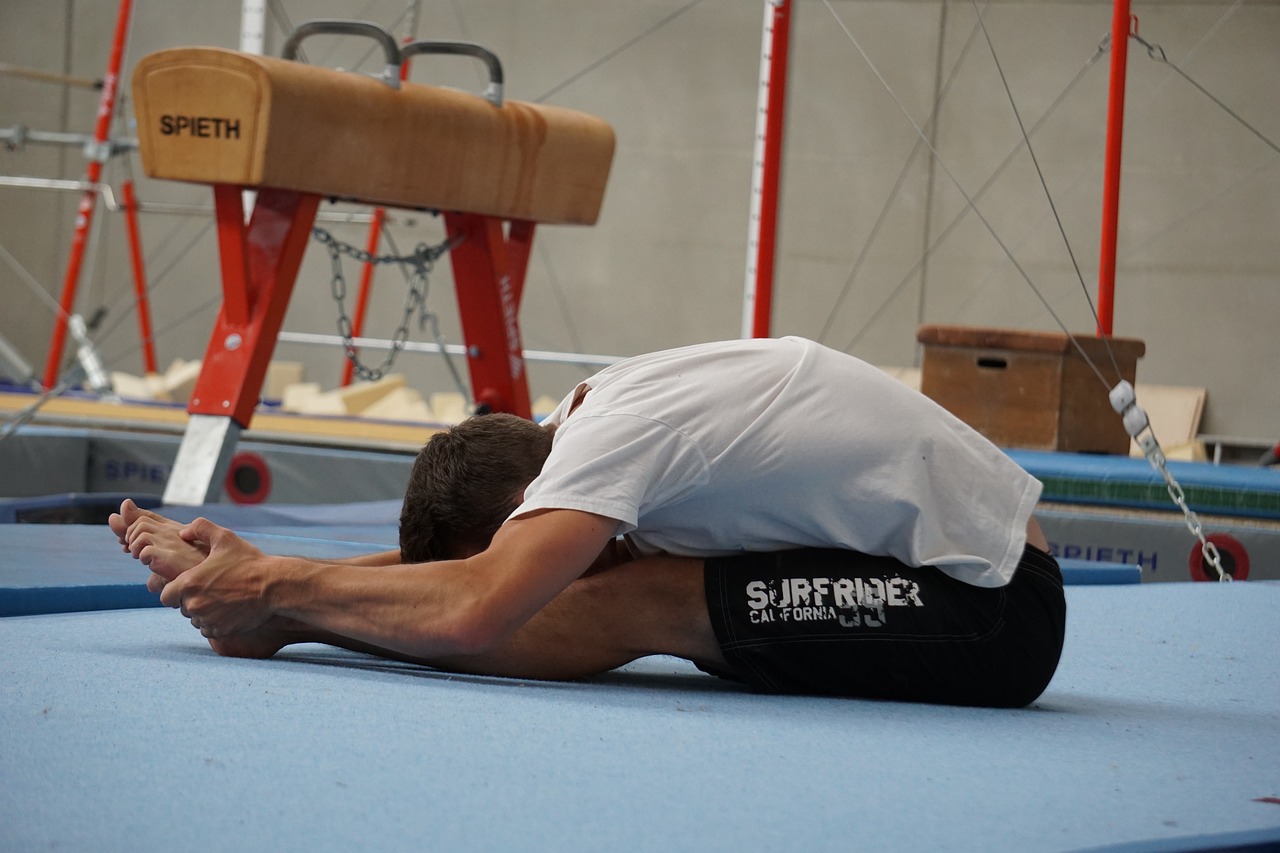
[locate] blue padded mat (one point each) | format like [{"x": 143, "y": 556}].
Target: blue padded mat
[
  {"x": 238, "y": 516},
  {"x": 124, "y": 732},
  {"x": 1123, "y": 481},
  {"x": 68, "y": 508},
  {"x": 1090, "y": 573},
  {"x": 64, "y": 568},
  {"x": 377, "y": 537},
  {"x": 360, "y": 514}
]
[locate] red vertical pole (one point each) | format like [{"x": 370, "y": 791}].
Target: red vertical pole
[
  {"x": 1111, "y": 172},
  {"x": 139, "y": 277},
  {"x": 767, "y": 171},
  {"x": 88, "y": 201}
]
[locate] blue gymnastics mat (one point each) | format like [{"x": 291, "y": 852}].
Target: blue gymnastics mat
[
  {"x": 64, "y": 568},
  {"x": 124, "y": 732},
  {"x": 375, "y": 514},
  {"x": 1232, "y": 490},
  {"x": 94, "y": 507}
]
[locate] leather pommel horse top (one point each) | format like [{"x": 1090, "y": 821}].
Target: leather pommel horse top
[{"x": 215, "y": 116}]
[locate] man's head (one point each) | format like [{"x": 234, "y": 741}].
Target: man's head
[{"x": 464, "y": 484}]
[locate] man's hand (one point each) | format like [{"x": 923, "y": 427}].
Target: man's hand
[{"x": 226, "y": 593}]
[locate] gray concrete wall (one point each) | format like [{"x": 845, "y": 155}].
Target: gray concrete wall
[{"x": 1199, "y": 262}]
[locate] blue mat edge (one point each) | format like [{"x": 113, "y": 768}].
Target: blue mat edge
[
  {"x": 42, "y": 601},
  {"x": 1244, "y": 840},
  {"x": 1090, "y": 573}
]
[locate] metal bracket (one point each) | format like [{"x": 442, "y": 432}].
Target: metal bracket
[{"x": 203, "y": 460}]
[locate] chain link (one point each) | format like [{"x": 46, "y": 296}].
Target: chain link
[{"x": 421, "y": 261}]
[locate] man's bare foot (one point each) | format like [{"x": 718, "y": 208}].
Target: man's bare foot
[
  {"x": 119, "y": 522},
  {"x": 259, "y": 643},
  {"x": 156, "y": 542}
]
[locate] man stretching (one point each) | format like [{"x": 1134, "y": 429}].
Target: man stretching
[{"x": 891, "y": 549}]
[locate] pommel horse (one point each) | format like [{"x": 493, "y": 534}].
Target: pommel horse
[{"x": 296, "y": 134}]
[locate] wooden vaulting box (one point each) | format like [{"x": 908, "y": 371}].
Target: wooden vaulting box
[
  {"x": 216, "y": 116},
  {"x": 1029, "y": 390}
]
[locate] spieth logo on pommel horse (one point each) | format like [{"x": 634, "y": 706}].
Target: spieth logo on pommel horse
[{"x": 204, "y": 127}]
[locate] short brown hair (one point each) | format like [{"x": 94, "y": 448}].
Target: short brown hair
[{"x": 465, "y": 482}]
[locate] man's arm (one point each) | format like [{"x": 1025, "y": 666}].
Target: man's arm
[{"x": 442, "y": 609}]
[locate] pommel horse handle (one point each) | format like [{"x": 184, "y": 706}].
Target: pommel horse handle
[
  {"x": 390, "y": 50},
  {"x": 493, "y": 93},
  {"x": 298, "y": 133}
]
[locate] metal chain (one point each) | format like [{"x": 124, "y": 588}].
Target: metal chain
[
  {"x": 422, "y": 261},
  {"x": 1155, "y": 455}
]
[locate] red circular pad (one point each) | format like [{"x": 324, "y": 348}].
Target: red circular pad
[
  {"x": 1235, "y": 559},
  {"x": 248, "y": 479}
]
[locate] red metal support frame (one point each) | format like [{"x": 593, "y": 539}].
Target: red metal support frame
[
  {"x": 488, "y": 272},
  {"x": 260, "y": 264},
  {"x": 139, "y": 277},
  {"x": 1120, "y": 30},
  {"x": 89, "y": 199},
  {"x": 233, "y": 254}
]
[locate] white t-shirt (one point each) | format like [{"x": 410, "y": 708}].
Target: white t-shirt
[{"x": 768, "y": 444}]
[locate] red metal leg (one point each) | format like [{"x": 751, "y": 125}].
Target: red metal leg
[
  {"x": 139, "y": 278},
  {"x": 519, "y": 245},
  {"x": 488, "y": 272},
  {"x": 259, "y": 266}
]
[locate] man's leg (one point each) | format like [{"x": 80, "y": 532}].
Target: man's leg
[{"x": 651, "y": 606}]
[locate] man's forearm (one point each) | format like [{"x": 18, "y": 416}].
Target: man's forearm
[{"x": 387, "y": 607}]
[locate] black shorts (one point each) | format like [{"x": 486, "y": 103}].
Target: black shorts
[{"x": 848, "y": 624}]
